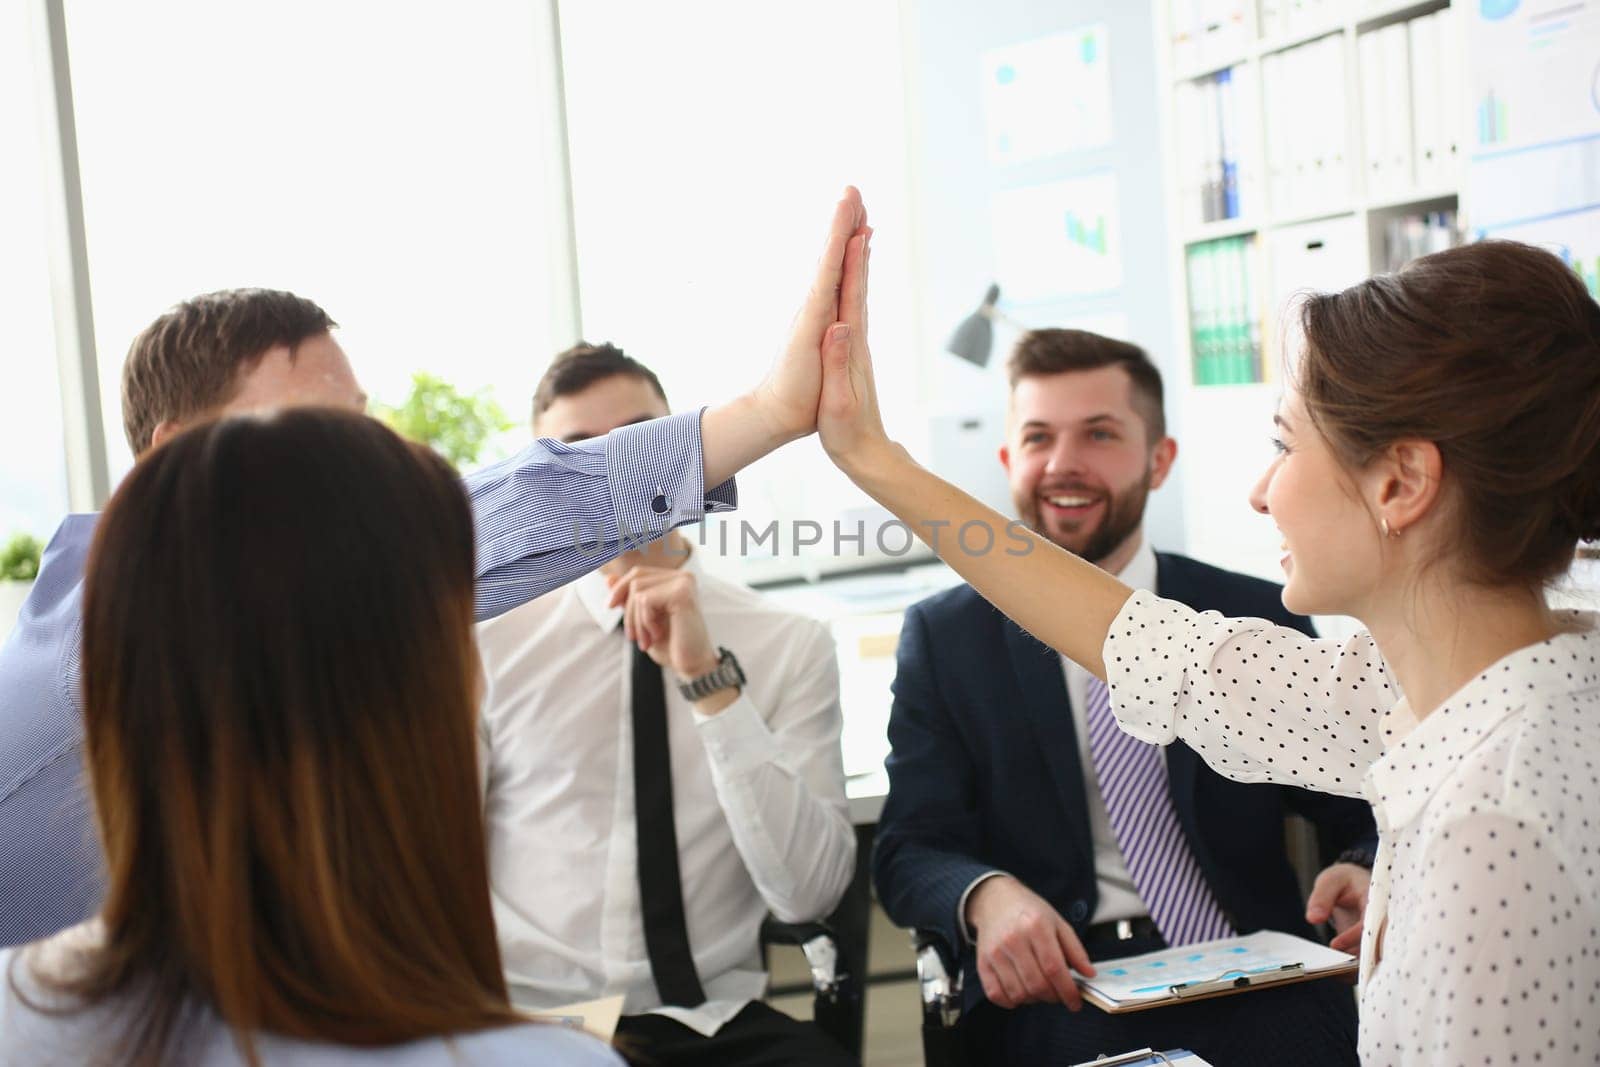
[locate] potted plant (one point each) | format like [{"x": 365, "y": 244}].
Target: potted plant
[
  {"x": 19, "y": 566},
  {"x": 458, "y": 425}
]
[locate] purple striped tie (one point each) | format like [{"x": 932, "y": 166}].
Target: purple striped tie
[{"x": 1133, "y": 783}]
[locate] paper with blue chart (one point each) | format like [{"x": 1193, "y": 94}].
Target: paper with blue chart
[
  {"x": 1149, "y": 978},
  {"x": 1058, "y": 239},
  {"x": 1048, "y": 96},
  {"x": 1533, "y": 172}
]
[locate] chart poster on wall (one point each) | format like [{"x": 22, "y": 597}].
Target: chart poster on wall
[
  {"x": 1059, "y": 239},
  {"x": 1534, "y": 169},
  {"x": 1048, "y": 96}
]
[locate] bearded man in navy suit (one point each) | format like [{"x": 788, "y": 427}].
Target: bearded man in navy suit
[{"x": 1031, "y": 835}]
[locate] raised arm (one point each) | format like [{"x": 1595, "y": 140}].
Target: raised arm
[
  {"x": 1165, "y": 655},
  {"x": 1066, "y": 603},
  {"x": 558, "y": 510}
]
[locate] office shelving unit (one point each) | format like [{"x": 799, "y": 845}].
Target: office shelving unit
[
  {"x": 1262, "y": 45},
  {"x": 1315, "y": 221}
]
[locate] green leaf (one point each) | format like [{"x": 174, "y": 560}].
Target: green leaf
[
  {"x": 19, "y": 562},
  {"x": 455, "y": 424}
]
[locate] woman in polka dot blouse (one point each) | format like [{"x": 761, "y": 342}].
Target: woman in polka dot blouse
[{"x": 1438, "y": 461}]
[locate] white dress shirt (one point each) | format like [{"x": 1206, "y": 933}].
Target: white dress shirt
[
  {"x": 1481, "y": 941},
  {"x": 761, "y": 816}
]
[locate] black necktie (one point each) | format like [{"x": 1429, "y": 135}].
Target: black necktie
[{"x": 666, "y": 934}]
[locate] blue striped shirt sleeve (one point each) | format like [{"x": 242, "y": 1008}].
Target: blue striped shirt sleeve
[{"x": 556, "y": 511}]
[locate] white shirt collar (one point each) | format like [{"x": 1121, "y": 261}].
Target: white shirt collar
[
  {"x": 1421, "y": 755},
  {"x": 593, "y": 592},
  {"x": 1140, "y": 572}
]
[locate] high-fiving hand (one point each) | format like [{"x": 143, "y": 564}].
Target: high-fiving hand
[
  {"x": 783, "y": 407},
  {"x": 848, "y": 418},
  {"x": 790, "y": 390}
]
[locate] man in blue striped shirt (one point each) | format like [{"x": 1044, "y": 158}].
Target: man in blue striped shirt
[{"x": 545, "y": 516}]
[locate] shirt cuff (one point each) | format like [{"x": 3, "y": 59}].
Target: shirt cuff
[
  {"x": 961, "y": 905},
  {"x": 1144, "y": 694},
  {"x": 656, "y": 471},
  {"x": 737, "y": 738}
]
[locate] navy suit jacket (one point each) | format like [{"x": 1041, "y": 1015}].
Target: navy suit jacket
[{"x": 985, "y": 775}]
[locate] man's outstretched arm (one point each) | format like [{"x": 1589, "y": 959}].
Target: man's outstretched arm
[{"x": 556, "y": 511}]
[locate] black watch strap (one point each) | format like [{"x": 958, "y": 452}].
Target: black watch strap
[{"x": 1361, "y": 856}]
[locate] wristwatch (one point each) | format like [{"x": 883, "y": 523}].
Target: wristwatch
[
  {"x": 1361, "y": 857},
  {"x": 725, "y": 675}
]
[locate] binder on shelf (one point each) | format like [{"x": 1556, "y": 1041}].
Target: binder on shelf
[
  {"x": 1186, "y": 108},
  {"x": 1337, "y": 184},
  {"x": 1247, "y": 124},
  {"x": 1199, "y": 309},
  {"x": 1224, "y": 324},
  {"x": 1211, "y": 159},
  {"x": 1370, "y": 72},
  {"x": 1423, "y": 55},
  {"x": 1227, "y": 145},
  {"x": 1257, "y": 370},
  {"x": 1275, "y": 98},
  {"x": 1226, "y": 314},
  {"x": 1452, "y": 95},
  {"x": 1214, "y": 152},
  {"x": 1238, "y": 313},
  {"x": 1399, "y": 170}
]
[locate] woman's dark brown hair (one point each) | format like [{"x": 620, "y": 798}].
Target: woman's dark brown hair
[
  {"x": 1492, "y": 352},
  {"x": 279, "y": 697}
]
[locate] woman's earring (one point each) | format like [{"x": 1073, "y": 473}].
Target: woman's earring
[{"x": 1383, "y": 524}]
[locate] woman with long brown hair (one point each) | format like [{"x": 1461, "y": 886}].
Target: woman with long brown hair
[
  {"x": 280, "y": 690},
  {"x": 1438, "y": 462}
]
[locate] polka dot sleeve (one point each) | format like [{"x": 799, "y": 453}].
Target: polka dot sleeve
[
  {"x": 1497, "y": 965},
  {"x": 1258, "y": 702}
]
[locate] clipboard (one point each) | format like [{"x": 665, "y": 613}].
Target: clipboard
[
  {"x": 598, "y": 1017},
  {"x": 1149, "y": 1057},
  {"x": 1211, "y": 969}
]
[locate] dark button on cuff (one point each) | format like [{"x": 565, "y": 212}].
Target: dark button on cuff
[
  {"x": 660, "y": 504},
  {"x": 1079, "y": 911}
]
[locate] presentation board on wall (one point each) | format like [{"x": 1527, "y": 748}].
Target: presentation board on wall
[
  {"x": 1534, "y": 168},
  {"x": 1049, "y": 96}
]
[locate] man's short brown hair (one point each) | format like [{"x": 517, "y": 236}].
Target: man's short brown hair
[
  {"x": 581, "y": 366},
  {"x": 188, "y": 361},
  {"x": 1056, "y": 351}
]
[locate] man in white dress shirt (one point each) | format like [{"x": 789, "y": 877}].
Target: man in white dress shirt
[{"x": 744, "y": 809}]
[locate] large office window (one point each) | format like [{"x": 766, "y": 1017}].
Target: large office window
[
  {"x": 709, "y": 141},
  {"x": 384, "y": 160},
  {"x": 33, "y": 473}
]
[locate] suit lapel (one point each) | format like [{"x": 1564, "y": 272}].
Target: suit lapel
[{"x": 1043, "y": 688}]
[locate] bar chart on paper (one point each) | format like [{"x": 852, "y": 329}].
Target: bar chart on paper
[
  {"x": 1259, "y": 956},
  {"x": 1048, "y": 96},
  {"x": 1534, "y": 174},
  {"x": 1058, "y": 239}
]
